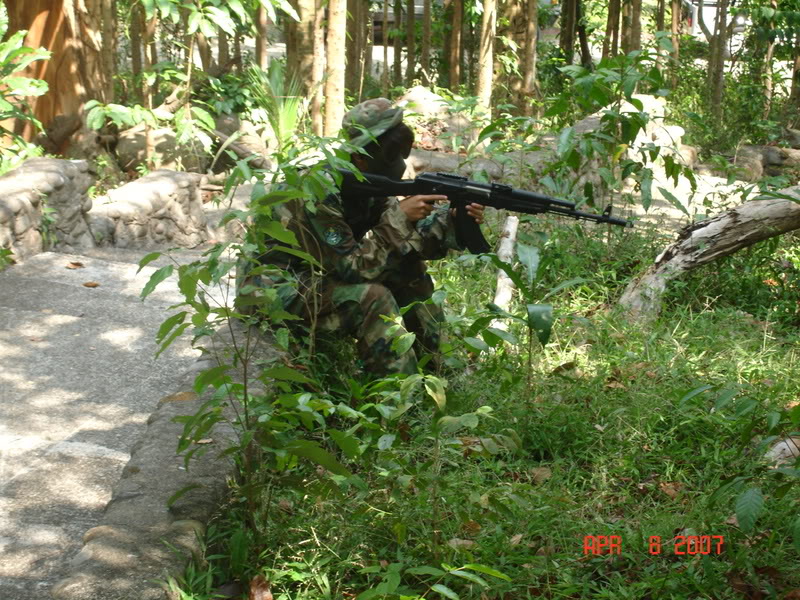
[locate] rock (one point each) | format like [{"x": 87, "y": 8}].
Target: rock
[
  {"x": 187, "y": 157},
  {"x": 784, "y": 451},
  {"x": 750, "y": 160},
  {"x": 45, "y": 184},
  {"x": 791, "y": 157},
  {"x": 793, "y": 137},
  {"x": 251, "y": 138},
  {"x": 424, "y": 102},
  {"x": 164, "y": 206}
]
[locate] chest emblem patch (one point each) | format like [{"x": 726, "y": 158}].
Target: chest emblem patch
[{"x": 333, "y": 236}]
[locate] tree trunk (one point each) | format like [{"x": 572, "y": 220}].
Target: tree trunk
[
  {"x": 204, "y": 48},
  {"x": 716, "y": 67},
  {"x": 768, "y": 83},
  {"x": 237, "y": 52},
  {"x": 795, "y": 94},
  {"x": 223, "y": 51},
  {"x": 318, "y": 68},
  {"x": 566, "y": 39},
  {"x": 352, "y": 48},
  {"x": 136, "y": 42},
  {"x": 704, "y": 242},
  {"x": 455, "y": 43},
  {"x": 676, "y": 40},
  {"x": 262, "y": 43},
  {"x": 398, "y": 41},
  {"x": 486, "y": 64},
  {"x": 425, "y": 57},
  {"x": 625, "y": 26},
  {"x": 369, "y": 44},
  {"x": 385, "y": 36},
  {"x": 586, "y": 53},
  {"x": 109, "y": 47},
  {"x": 636, "y": 25},
  {"x": 411, "y": 40},
  {"x": 300, "y": 46},
  {"x": 334, "y": 70},
  {"x": 530, "y": 83},
  {"x": 611, "y": 39}
]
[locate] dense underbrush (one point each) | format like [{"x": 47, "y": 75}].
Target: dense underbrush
[{"x": 488, "y": 488}]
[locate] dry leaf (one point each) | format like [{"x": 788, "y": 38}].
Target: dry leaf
[
  {"x": 545, "y": 551},
  {"x": 671, "y": 489},
  {"x": 74, "y": 265},
  {"x": 91, "y": 284},
  {"x": 457, "y": 543},
  {"x": 651, "y": 374},
  {"x": 205, "y": 441},
  {"x": 515, "y": 540},
  {"x": 471, "y": 528},
  {"x": 180, "y": 397},
  {"x": 732, "y": 520},
  {"x": 567, "y": 366},
  {"x": 36, "y": 339},
  {"x": 615, "y": 385},
  {"x": 793, "y": 595},
  {"x": 259, "y": 589},
  {"x": 541, "y": 474},
  {"x": 599, "y": 428},
  {"x": 383, "y": 563}
]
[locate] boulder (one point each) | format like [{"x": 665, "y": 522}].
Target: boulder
[
  {"x": 750, "y": 161},
  {"x": 132, "y": 143},
  {"x": 424, "y": 102}
]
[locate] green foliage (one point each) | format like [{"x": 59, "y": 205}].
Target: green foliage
[
  {"x": 279, "y": 98},
  {"x": 14, "y": 57}
]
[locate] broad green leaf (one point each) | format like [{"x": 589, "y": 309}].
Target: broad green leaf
[
  {"x": 155, "y": 279},
  {"x": 172, "y": 337},
  {"x": 566, "y": 141},
  {"x": 176, "y": 496},
  {"x": 426, "y": 571},
  {"x": 673, "y": 200},
  {"x": 209, "y": 376},
  {"x": 346, "y": 442},
  {"x": 487, "y": 571},
  {"x": 476, "y": 344},
  {"x": 563, "y": 285},
  {"x": 435, "y": 388},
  {"x": 445, "y": 591},
  {"x": 284, "y": 373},
  {"x": 504, "y": 335},
  {"x": 403, "y": 343},
  {"x": 148, "y": 259},
  {"x": 315, "y": 453},
  {"x": 696, "y": 391},
  {"x": 469, "y": 577},
  {"x": 169, "y": 324},
  {"x": 748, "y": 508},
  {"x": 299, "y": 253},
  {"x": 529, "y": 256},
  {"x": 385, "y": 441},
  {"x": 540, "y": 320}
]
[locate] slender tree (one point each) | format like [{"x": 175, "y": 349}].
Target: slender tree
[
  {"x": 411, "y": 35},
  {"x": 398, "y": 41},
  {"x": 636, "y": 25},
  {"x": 583, "y": 38},
  {"x": 425, "y": 56},
  {"x": 318, "y": 68},
  {"x": 566, "y": 39},
  {"x": 455, "y": 43},
  {"x": 795, "y": 93},
  {"x": 611, "y": 39},
  {"x": 262, "y": 22},
  {"x": 385, "y": 39},
  {"x": 676, "y": 40},
  {"x": 486, "y": 64},
  {"x": 369, "y": 44},
  {"x": 300, "y": 46},
  {"x": 223, "y": 48},
  {"x": 768, "y": 82},
  {"x": 334, "y": 70},
  {"x": 109, "y": 47},
  {"x": 530, "y": 83},
  {"x": 352, "y": 47}
]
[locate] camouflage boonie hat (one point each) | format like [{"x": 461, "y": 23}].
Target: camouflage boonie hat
[{"x": 377, "y": 116}]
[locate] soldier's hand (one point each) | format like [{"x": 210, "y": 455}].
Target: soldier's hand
[
  {"x": 419, "y": 207},
  {"x": 473, "y": 210}
]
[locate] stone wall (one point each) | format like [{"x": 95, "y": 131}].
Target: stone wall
[
  {"x": 39, "y": 184},
  {"x": 164, "y": 207}
]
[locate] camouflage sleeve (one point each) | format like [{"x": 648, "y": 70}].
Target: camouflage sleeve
[
  {"x": 381, "y": 248},
  {"x": 438, "y": 233}
]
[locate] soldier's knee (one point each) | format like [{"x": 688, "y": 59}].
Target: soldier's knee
[{"x": 379, "y": 299}]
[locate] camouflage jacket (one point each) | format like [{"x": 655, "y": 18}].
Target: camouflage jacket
[{"x": 361, "y": 240}]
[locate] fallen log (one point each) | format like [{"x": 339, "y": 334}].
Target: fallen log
[
  {"x": 706, "y": 241},
  {"x": 505, "y": 286}
]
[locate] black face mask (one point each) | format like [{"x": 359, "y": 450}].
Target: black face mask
[{"x": 391, "y": 169}]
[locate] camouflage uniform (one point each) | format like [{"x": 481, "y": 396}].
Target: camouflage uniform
[{"x": 373, "y": 260}]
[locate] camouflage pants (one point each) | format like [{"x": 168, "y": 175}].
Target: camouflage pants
[{"x": 356, "y": 309}]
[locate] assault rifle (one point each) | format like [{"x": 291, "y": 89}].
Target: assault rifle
[{"x": 461, "y": 192}]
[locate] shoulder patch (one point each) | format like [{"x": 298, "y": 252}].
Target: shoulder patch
[{"x": 334, "y": 236}]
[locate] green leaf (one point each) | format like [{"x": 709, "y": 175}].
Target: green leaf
[
  {"x": 445, "y": 591},
  {"x": 146, "y": 260},
  {"x": 385, "y": 441},
  {"x": 564, "y": 285},
  {"x": 299, "y": 253},
  {"x": 169, "y": 324},
  {"x": 469, "y": 577},
  {"x": 529, "y": 256},
  {"x": 426, "y": 571},
  {"x": 403, "y": 343},
  {"x": 315, "y": 453},
  {"x": 174, "y": 498},
  {"x": 504, "y": 335},
  {"x": 646, "y": 186},
  {"x": 173, "y": 336},
  {"x": 155, "y": 279},
  {"x": 796, "y": 533},
  {"x": 748, "y": 508},
  {"x": 209, "y": 377},
  {"x": 540, "y": 320},
  {"x": 284, "y": 373},
  {"x": 346, "y": 442},
  {"x": 487, "y": 571},
  {"x": 566, "y": 141},
  {"x": 673, "y": 200},
  {"x": 435, "y": 388},
  {"x": 476, "y": 344}
]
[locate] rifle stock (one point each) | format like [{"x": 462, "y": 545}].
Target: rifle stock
[{"x": 461, "y": 192}]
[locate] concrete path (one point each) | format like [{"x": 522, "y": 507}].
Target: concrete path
[{"x": 77, "y": 383}]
